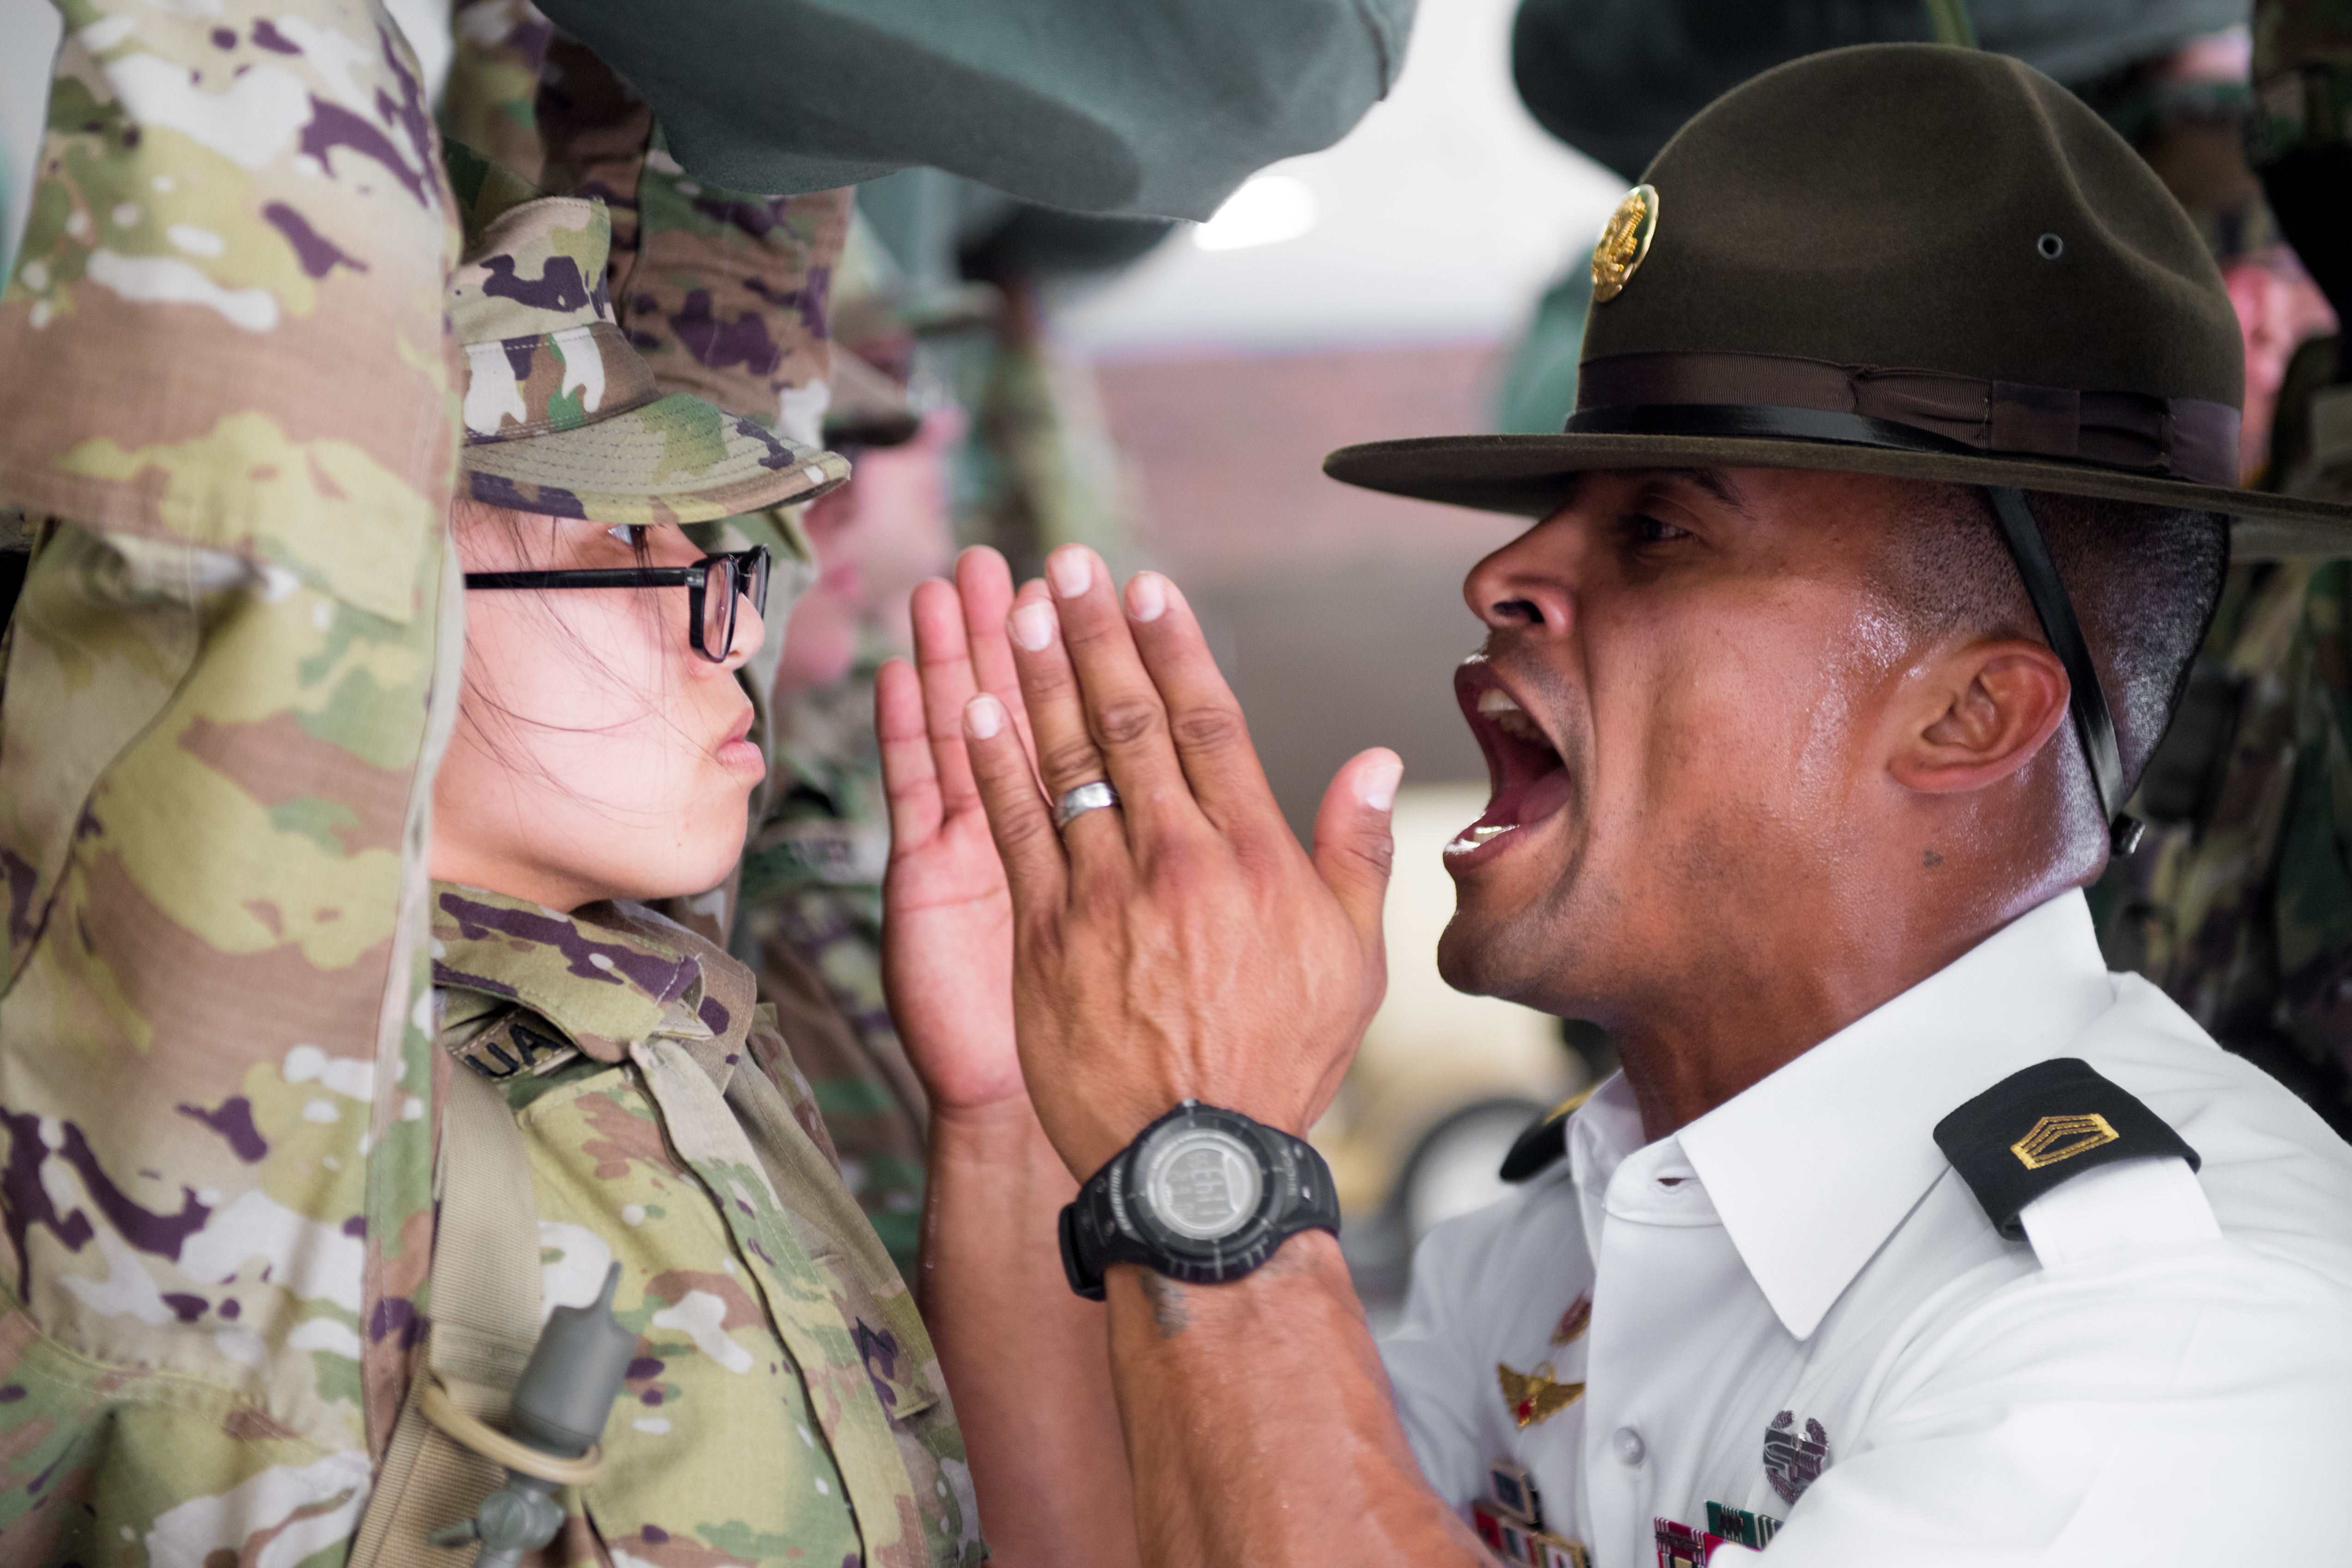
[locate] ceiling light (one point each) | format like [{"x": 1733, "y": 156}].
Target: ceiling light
[{"x": 1267, "y": 210}]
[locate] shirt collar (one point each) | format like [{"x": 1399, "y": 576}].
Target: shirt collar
[
  {"x": 1813, "y": 1167},
  {"x": 596, "y": 982}
]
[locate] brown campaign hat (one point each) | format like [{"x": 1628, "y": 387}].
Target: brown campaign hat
[{"x": 1903, "y": 260}]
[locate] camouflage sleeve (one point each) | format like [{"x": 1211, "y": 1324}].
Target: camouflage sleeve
[
  {"x": 228, "y": 398},
  {"x": 491, "y": 100},
  {"x": 2314, "y": 864}
]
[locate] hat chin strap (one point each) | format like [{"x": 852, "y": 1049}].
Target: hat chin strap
[{"x": 2092, "y": 720}]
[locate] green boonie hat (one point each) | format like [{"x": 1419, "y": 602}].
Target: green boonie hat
[
  {"x": 562, "y": 415},
  {"x": 1903, "y": 260},
  {"x": 1158, "y": 109}
]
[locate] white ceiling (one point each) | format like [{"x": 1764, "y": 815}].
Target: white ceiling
[{"x": 1441, "y": 217}]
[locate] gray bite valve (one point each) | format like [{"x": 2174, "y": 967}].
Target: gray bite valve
[{"x": 559, "y": 1408}]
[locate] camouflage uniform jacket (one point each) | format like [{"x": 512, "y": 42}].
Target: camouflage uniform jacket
[
  {"x": 226, "y": 404},
  {"x": 785, "y": 1405},
  {"x": 2243, "y": 911},
  {"x": 811, "y": 917}
]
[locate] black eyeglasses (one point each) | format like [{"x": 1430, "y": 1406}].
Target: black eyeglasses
[{"x": 712, "y": 584}]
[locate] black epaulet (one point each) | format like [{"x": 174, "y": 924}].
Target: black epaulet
[
  {"x": 2038, "y": 1129},
  {"x": 1544, "y": 1141}
]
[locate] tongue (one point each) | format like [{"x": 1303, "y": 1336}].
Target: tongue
[{"x": 1523, "y": 804}]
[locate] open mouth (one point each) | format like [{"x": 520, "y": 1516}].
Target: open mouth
[{"x": 1529, "y": 779}]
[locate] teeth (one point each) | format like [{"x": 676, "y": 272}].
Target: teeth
[
  {"x": 1482, "y": 834},
  {"x": 1495, "y": 705}
]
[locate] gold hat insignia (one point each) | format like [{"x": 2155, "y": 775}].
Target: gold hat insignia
[
  {"x": 1533, "y": 1397},
  {"x": 1624, "y": 242},
  {"x": 2056, "y": 1138}
]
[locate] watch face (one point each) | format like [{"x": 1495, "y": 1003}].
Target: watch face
[{"x": 1201, "y": 1183}]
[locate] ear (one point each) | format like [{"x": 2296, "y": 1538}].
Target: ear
[{"x": 1982, "y": 713}]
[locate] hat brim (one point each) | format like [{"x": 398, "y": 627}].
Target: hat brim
[
  {"x": 1531, "y": 476},
  {"x": 668, "y": 461}
]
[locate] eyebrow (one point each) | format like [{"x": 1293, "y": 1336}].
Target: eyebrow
[{"x": 1715, "y": 482}]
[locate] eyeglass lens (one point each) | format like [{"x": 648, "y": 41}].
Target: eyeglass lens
[{"x": 719, "y": 608}]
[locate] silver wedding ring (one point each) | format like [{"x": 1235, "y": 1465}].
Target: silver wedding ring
[{"x": 1087, "y": 797}]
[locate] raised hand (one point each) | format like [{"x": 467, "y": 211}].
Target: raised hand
[
  {"x": 946, "y": 932},
  {"x": 1183, "y": 945}
]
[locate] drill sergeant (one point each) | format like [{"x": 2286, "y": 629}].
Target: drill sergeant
[{"x": 1895, "y": 501}]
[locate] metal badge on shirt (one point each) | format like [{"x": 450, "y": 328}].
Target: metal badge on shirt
[
  {"x": 1534, "y": 1397},
  {"x": 1793, "y": 1461}
]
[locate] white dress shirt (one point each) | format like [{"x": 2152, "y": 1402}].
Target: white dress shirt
[{"x": 2160, "y": 1373}]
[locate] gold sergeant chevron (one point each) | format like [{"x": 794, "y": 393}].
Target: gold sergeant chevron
[{"x": 2056, "y": 1138}]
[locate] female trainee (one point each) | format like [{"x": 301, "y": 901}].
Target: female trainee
[{"x": 785, "y": 1403}]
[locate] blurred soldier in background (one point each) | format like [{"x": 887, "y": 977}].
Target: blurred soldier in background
[
  {"x": 2240, "y": 904},
  {"x": 811, "y": 908}
]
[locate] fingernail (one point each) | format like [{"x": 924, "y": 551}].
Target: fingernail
[
  {"x": 1033, "y": 626},
  {"x": 1070, "y": 573},
  {"x": 1146, "y": 597},
  {"x": 983, "y": 716},
  {"x": 1379, "y": 785}
]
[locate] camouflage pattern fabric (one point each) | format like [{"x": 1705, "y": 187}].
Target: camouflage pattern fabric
[
  {"x": 811, "y": 918},
  {"x": 228, "y": 411},
  {"x": 2242, "y": 912},
  {"x": 230, "y": 215},
  {"x": 785, "y": 1405},
  {"x": 725, "y": 293},
  {"x": 491, "y": 102},
  {"x": 561, "y": 414}
]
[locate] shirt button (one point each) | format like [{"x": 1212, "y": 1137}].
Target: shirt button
[{"x": 1629, "y": 1444}]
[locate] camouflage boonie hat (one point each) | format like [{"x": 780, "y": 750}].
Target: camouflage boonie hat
[{"x": 563, "y": 416}]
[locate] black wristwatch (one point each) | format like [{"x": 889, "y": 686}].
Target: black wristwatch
[{"x": 1203, "y": 1194}]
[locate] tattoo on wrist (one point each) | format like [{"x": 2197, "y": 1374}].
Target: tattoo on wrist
[{"x": 1169, "y": 1308}]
